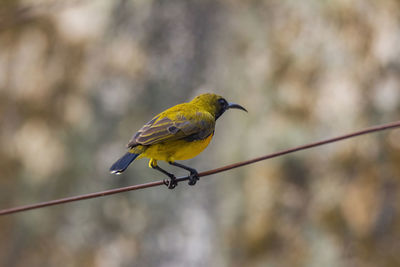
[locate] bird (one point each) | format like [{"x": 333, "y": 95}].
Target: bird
[{"x": 178, "y": 133}]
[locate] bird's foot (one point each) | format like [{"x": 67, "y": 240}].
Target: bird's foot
[
  {"x": 193, "y": 177},
  {"x": 171, "y": 183}
]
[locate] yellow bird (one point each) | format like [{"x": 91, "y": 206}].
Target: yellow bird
[{"x": 179, "y": 133}]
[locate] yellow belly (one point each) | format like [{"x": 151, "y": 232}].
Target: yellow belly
[{"x": 176, "y": 150}]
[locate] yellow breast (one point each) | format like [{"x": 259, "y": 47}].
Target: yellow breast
[{"x": 176, "y": 150}]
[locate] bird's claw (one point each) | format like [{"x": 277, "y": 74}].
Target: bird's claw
[
  {"x": 193, "y": 178},
  {"x": 170, "y": 183}
]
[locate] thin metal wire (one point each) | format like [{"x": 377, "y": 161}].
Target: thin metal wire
[{"x": 201, "y": 174}]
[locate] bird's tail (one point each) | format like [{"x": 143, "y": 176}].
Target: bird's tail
[{"x": 123, "y": 163}]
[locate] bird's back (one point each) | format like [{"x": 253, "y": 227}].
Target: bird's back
[{"x": 180, "y": 127}]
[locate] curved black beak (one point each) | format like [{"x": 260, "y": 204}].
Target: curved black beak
[{"x": 236, "y": 106}]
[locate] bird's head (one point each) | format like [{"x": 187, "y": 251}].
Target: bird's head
[{"x": 215, "y": 104}]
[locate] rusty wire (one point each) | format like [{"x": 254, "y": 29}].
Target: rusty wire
[{"x": 201, "y": 174}]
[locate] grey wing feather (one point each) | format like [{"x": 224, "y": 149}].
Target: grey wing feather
[{"x": 157, "y": 131}]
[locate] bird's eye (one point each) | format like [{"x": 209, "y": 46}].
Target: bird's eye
[{"x": 222, "y": 102}]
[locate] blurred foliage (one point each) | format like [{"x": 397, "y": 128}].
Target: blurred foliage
[{"x": 77, "y": 78}]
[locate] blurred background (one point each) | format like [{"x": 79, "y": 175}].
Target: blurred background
[{"x": 78, "y": 78}]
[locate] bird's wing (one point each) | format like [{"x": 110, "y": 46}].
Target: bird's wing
[{"x": 189, "y": 125}]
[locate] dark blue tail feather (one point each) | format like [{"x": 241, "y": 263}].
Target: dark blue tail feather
[{"x": 123, "y": 163}]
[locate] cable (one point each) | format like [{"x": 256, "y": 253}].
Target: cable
[{"x": 201, "y": 174}]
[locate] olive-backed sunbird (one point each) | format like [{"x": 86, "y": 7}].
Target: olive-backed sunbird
[{"x": 179, "y": 133}]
